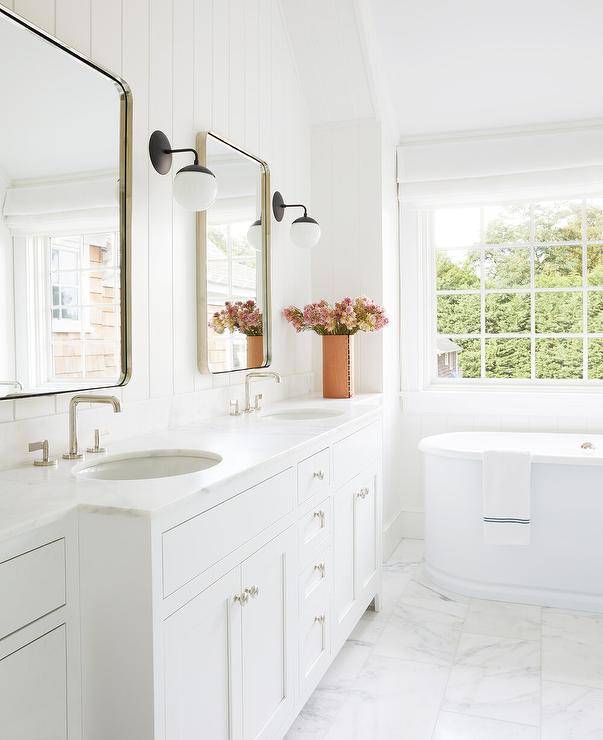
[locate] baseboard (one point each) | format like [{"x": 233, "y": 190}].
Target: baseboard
[
  {"x": 392, "y": 534},
  {"x": 413, "y": 524}
]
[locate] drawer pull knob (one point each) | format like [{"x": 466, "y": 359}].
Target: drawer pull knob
[
  {"x": 320, "y": 474},
  {"x": 252, "y": 591},
  {"x": 241, "y": 599},
  {"x": 320, "y": 567},
  {"x": 320, "y": 619},
  {"x": 320, "y": 515},
  {"x": 363, "y": 493}
]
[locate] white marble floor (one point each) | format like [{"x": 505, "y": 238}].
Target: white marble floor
[{"x": 433, "y": 665}]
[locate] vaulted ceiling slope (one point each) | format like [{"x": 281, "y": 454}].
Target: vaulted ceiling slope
[{"x": 448, "y": 66}]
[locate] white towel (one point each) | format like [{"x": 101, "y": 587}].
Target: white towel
[{"x": 506, "y": 497}]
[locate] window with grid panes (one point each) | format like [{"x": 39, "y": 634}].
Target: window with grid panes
[{"x": 519, "y": 289}]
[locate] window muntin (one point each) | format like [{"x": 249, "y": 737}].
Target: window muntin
[
  {"x": 519, "y": 290},
  {"x": 82, "y": 331}
]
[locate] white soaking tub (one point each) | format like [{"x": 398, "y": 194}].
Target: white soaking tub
[{"x": 563, "y": 564}]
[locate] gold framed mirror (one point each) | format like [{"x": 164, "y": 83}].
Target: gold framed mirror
[
  {"x": 233, "y": 261},
  {"x": 65, "y": 211}
]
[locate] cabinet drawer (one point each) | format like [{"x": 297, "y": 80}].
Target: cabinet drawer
[
  {"x": 314, "y": 527},
  {"x": 31, "y": 585},
  {"x": 314, "y": 649},
  {"x": 313, "y": 581},
  {"x": 356, "y": 452},
  {"x": 313, "y": 475},
  {"x": 192, "y": 547}
]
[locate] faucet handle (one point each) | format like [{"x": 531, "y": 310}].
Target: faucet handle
[
  {"x": 45, "y": 462},
  {"x": 257, "y": 406},
  {"x": 234, "y": 407},
  {"x": 97, "y": 448}
]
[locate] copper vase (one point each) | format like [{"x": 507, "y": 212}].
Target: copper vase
[
  {"x": 255, "y": 352},
  {"x": 337, "y": 366}
]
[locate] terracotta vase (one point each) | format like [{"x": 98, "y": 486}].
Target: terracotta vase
[
  {"x": 338, "y": 366},
  {"x": 255, "y": 351}
]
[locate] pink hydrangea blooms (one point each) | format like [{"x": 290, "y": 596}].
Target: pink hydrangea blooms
[
  {"x": 346, "y": 316},
  {"x": 243, "y": 316}
]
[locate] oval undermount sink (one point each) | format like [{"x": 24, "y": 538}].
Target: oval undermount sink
[
  {"x": 147, "y": 464},
  {"x": 307, "y": 414}
]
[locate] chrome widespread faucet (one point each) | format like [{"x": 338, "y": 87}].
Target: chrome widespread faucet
[
  {"x": 73, "y": 453},
  {"x": 12, "y": 384},
  {"x": 249, "y": 409}
]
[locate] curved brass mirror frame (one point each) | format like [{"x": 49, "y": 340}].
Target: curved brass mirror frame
[
  {"x": 202, "y": 316},
  {"x": 125, "y": 205}
]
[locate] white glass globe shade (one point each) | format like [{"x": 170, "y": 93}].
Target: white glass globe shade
[
  {"x": 254, "y": 235},
  {"x": 195, "y": 188},
  {"x": 305, "y": 232}
]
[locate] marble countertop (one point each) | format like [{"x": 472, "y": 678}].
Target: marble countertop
[{"x": 32, "y": 496}]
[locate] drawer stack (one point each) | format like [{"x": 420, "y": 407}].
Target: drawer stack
[{"x": 315, "y": 563}]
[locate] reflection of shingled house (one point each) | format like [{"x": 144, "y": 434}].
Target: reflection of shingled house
[{"x": 448, "y": 354}]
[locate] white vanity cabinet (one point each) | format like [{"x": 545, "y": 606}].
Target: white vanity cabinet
[
  {"x": 228, "y": 672},
  {"x": 39, "y": 635},
  {"x": 217, "y": 617}
]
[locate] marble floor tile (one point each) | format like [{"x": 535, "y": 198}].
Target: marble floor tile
[
  {"x": 452, "y": 726},
  {"x": 419, "y": 634},
  {"x": 408, "y": 552},
  {"x": 571, "y": 712},
  {"x": 496, "y": 618},
  {"x": 572, "y": 647},
  {"x": 421, "y": 593},
  {"x": 391, "y": 699},
  {"x": 497, "y": 678},
  {"x": 369, "y": 628}
]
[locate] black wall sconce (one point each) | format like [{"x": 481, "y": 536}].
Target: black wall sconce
[
  {"x": 305, "y": 231},
  {"x": 195, "y": 187}
]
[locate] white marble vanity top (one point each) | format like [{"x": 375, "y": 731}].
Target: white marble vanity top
[{"x": 31, "y": 497}]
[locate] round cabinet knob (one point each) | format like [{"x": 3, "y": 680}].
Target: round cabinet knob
[
  {"x": 320, "y": 619},
  {"x": 363, "y": 493},
  {"x": 320, "y": 567},
  {"x": 319, "y": 474},
  {"x": 253, "y": 591},
  {"x": 241, "y": 599}
]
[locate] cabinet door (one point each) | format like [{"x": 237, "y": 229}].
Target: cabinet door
[
  {"x": 269, "y": 628},
  {"x": 202, "y": 655},
  {"x": 343, "y": 554},
  {"x": 33, "y": 690},
  {"x": 365, "y": 533}
]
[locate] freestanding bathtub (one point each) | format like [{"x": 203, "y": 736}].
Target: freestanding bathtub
[{"x": 563, "y": 564}]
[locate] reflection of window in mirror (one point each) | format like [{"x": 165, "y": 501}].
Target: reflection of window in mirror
[
  {"x": 76, "y": 319},
  {"x": 232, "y": 275}
]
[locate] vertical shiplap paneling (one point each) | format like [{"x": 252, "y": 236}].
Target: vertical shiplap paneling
[
  {"x": 220, "y": 103},
  {"x": 236, "y": 71},
  {"x": 203, "y": 62},
  {"x": 203, "y": 59},
  {"x": 161, "y": 359},
  {"x": 184, "y": 252},
  {"x": 265, "y": 81},
  {"x": 105, "y": 43},
  {"x": 252, "y": 75},
  {"x": 73, "y": 24},
  {"x": 39, "y": 12},
  {"x": 136, "y": 73}
]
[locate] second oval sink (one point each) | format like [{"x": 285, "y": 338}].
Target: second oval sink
[
  {"x": 147, "y": 464},
  {"x": 309, "y": 414}
]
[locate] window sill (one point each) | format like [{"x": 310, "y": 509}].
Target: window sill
[{"x": 480, "y": 400}]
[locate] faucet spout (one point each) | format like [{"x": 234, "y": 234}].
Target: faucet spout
[
  {"x": 74, "y": 453},
  {"x": 256, "y": 376}
]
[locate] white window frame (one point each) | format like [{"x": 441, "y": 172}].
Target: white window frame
[{"x": 421, "y": 388}]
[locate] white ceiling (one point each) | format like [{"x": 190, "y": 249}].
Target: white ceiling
[
  {"x": 328, "y": 51},
  {"x": 470, "y": 64}
]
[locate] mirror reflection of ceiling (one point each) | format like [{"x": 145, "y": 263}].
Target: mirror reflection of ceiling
[
  {"x": 238, "y": 179},
  {"x": 44, "y": 84}
]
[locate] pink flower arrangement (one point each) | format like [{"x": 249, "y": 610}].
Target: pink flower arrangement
[
  {"x": 242, "y": 316},
  {"x": 346, "y": 316}
]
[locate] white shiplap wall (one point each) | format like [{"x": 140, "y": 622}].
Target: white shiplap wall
[{"x": 225, "y": 65}]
